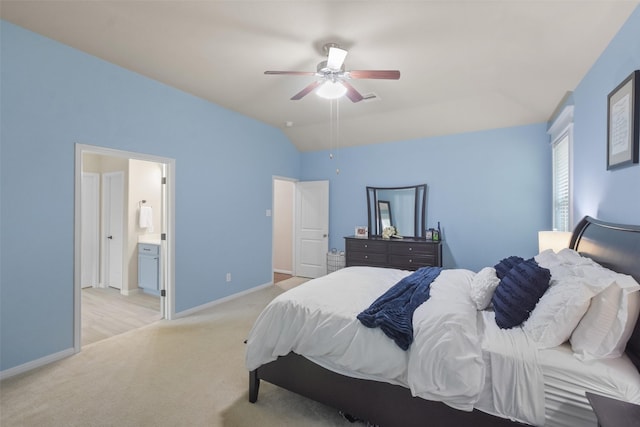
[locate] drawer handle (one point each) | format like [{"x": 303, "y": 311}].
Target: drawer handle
[
  {"x": 410, "y": 261},
  {"x": 410, "y": 248},
  {"x": 366, "y": 257},
  {"x": 145, "y": 249},
  {"x": 366, "y": 246}
]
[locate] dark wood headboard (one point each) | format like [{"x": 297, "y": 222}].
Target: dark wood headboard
[{"x": 616, "y": 247}]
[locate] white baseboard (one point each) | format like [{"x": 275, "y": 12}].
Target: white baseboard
[
  {"x": 278, "y": 270},
  {"x": 127, "y": 292},
  {"x": 70, "y": 352},
  {"x": 7, "y": 373},
  {"x": 220, "y": 301}
]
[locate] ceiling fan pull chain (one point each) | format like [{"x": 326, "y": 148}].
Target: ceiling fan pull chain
[
  {"x": 330, "y": 129},
  {"x": 337, "y": 133}
]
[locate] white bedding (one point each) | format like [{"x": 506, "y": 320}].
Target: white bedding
[
  {"x": 318, "y": 320},
  {"x": 566, "y": 378},
  {"x": 514, "y": 376},
  {"x": 451, "y": 359}
]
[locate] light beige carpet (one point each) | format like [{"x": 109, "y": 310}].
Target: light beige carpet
[
  {"x": 186, "y": 372},
  {"x": 291, "y": 283}
]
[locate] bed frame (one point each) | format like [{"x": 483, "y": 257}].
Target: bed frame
[{"x": 614, "y": 246}]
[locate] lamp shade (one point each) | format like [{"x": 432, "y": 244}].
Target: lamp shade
[
  {"x": 555, "y": 240},
  {"x": 331, "y": 90}
]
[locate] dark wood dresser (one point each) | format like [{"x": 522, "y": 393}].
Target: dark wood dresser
[{"x": 404, "y": 254}]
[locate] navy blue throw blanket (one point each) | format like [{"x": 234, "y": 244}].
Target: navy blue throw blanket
[{"x": 393, "y": 311}]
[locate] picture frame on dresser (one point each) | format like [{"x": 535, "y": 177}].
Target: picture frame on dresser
[
  {"x": 361, "y": 232},
  {"x": 623, "y": 123}
]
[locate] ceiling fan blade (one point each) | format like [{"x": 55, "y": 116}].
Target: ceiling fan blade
[
  {"x": 306, "y": 90},
  {"x": 336, "y": 57},
  {"x": 352, "y": 93},
  {"x": 294, "y": 73},
  {"x": 375, "y": 74}
]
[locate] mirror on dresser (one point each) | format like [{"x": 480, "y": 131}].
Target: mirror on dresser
[{"x": 402, "y": 207}]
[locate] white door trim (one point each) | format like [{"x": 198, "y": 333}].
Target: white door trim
[{"x": 168, "y": 245}]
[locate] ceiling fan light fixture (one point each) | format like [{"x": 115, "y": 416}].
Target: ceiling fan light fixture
[
  {"x": 331, "y": 90},
  {"x": 336, "y": 57}
]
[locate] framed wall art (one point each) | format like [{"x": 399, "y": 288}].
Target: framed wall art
[{"x": 623, "y": 123}]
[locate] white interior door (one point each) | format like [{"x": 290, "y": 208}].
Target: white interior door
[
  {"x": 312, "y": 228},
  {"x": 90, "y": 225},
  {"x": 113, "y": 223}
]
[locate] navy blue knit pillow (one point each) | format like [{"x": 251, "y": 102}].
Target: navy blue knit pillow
[
  {"x": 506, "y": 264},
  {"x": 518, "y": 293}
]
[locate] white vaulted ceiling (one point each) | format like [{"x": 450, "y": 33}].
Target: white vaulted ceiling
[{"x": 466, "y": 65}]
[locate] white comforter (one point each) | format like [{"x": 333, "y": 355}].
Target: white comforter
[{"x": 459, "y": 356}]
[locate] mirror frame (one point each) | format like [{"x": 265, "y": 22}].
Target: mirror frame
[{"x": 419, "y": 214}]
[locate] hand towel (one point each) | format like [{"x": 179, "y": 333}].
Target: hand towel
[{"x": 146, "y": 218}]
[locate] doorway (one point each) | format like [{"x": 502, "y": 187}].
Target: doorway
[
  {"x": 300, "y": 227},
  {"x": 283, "y": 229},
  {"x": 119, "y": 234}
]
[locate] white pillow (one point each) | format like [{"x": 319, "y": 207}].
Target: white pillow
[
  {"x": 483, "y": 285},
  {"x": 548, "y": 258},
  {"x": 569, "y": 256},
  {"x": 605, "y": 329},
  {"x": 560, "y": 267},
  {"x": 558, "y": 312}
]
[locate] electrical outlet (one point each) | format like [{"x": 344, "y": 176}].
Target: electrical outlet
[{"x": 228, "y": 277}]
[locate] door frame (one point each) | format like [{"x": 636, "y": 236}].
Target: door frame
[{"x": 168, "y": 308}]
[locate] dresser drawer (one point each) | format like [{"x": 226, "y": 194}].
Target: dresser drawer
[
  {"x": 368, "y": 246},
  {"x": 148, "y": 249},
  {"x": 405, "y": 262},
  {"x": 366, "y": 258},
  {"x": 414, "y": 248}
]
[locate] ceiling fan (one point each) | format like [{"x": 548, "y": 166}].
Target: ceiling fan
[{"x": 333, "y": 81}]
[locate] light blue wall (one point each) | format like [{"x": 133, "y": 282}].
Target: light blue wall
[
  {"x": 489, "y": 190},
  {"x": 609, "y": 195},
  {"x": 53, "y": 97}
]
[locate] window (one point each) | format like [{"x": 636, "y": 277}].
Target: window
[
  {"x": 560, "y": 155},
  {"x": 561, "y": 132}
]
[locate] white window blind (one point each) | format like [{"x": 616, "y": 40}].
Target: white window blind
[
  {"x": 561, "y": 132},
  {"x": 561, "y": 199}
]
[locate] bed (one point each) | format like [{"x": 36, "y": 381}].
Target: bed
[{"x": 391, "y": 387}]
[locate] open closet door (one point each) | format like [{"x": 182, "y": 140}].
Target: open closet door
[
  {"x": 113, "y": 226},
  {"x": 312, "y": 228},
  {"x": 90, "y": 230}
]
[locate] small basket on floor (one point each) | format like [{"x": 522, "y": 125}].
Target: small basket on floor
[{"x": 335, "y": 261}]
